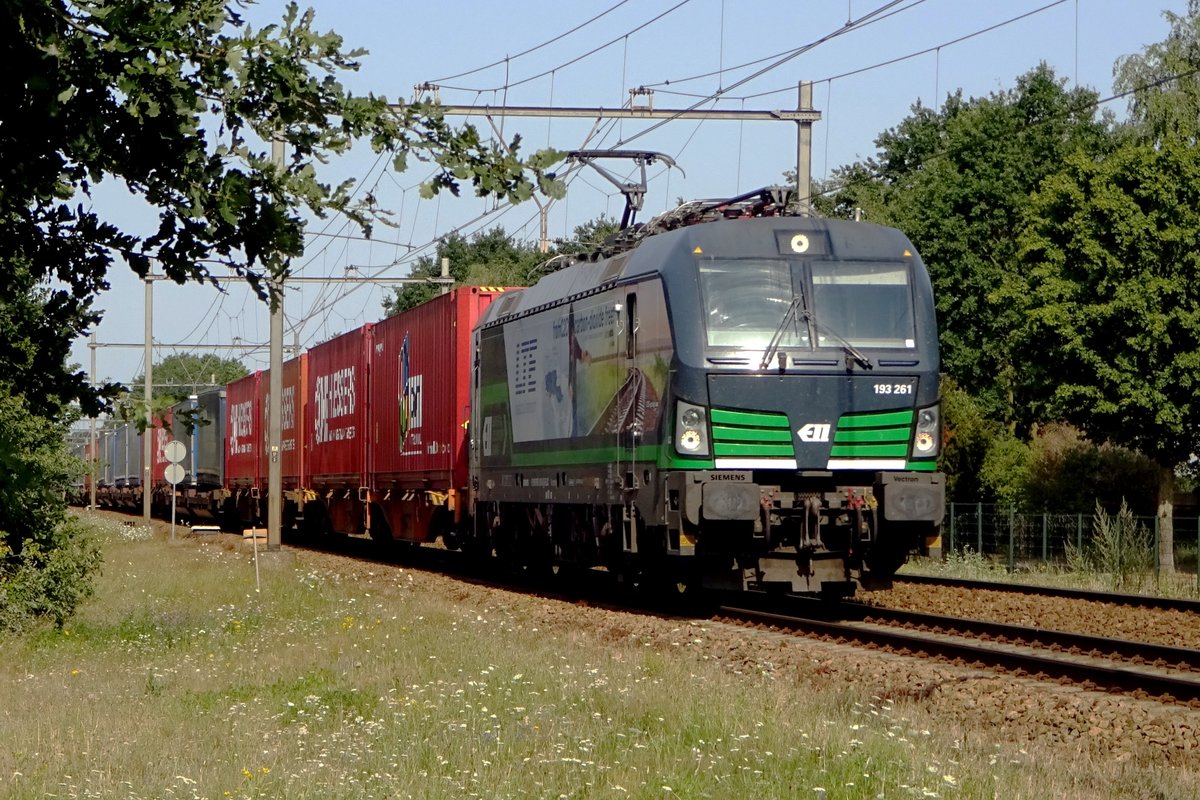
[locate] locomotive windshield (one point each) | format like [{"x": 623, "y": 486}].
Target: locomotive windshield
[{"x": 863, "y": 304}]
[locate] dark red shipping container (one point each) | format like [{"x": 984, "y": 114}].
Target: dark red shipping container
[
  {"x": 420, "y": 406},
  {"x": 420, "y": 390},
  {"x": 337, "y": 411},
  {"x": 292, "y": 407},
  {"x": 160, "y": 434},
  {"x": 243, "y": 434}
]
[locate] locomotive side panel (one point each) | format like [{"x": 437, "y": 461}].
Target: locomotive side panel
[
  {"x": 569, "y": 424},
  {"x": 564, "y": 385}
]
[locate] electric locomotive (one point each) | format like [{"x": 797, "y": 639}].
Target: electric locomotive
[{"x": 727, "y": 397}]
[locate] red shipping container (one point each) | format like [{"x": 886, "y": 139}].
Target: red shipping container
[
  {"x": 160, "y": 434},
  {"x": 243, "y": 434},
  {"x": 292, "y": 407},
  {"x": 420, "y": 392},
  {"x": 336, "y": 416}
]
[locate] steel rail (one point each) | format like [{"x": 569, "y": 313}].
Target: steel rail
[
  {"x": 1116, "y": 598},
  {"x": 1153, "y": 654},
  {"x": 1012, "y": 658}
]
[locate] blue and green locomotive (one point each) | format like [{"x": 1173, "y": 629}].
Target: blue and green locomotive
[{"x": 726, "y": 397}]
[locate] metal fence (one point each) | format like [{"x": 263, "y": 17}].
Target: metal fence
[{"x": 1015, "y": 538}]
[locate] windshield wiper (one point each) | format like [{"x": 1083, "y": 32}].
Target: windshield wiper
[
  {"x": 773, "y": 345},
  {"x": 853, "y": 354}
]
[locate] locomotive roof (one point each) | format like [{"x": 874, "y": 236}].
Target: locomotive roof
[{"x": 663, "y": 252}]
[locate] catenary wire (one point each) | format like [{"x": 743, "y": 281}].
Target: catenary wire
[{"x": 535, "y": 48}]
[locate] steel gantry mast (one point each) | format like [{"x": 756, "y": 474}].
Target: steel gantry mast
[{"x": 803, "y": 115}]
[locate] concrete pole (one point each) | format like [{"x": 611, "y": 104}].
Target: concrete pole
[
  {"x": 147, "y": 455},
  {"x": 274, "y": 420},
  {"x": 544, "y": 242},
  {"x": 804, "y": 150},
  {"x": 94, "y": 461}
]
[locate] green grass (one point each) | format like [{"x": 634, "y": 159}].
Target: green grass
[
  {"x": 967, "y": 564},
  {"x": 180, "y": 680}
]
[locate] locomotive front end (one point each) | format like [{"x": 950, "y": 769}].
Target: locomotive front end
[
  {"x": 726, "y": 398},
  {"x": 806, "y": 422}
]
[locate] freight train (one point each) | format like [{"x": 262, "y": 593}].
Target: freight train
[{"x": 725, "y": 397}]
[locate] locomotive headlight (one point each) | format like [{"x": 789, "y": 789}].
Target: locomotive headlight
[
  {"x": 927, "y": 435},
  {"x": 691, "y": 430}
]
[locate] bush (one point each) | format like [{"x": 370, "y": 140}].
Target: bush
[
  {"x": 1121, "y": 549},
  {"x": 1067, "y": 472},
  {"x": 47, "y": 561},
  {"x": 49, "y": 580}
]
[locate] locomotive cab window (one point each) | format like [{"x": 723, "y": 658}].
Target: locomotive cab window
[
  {"x": 867, "y": 304},
  {"x": 746, "y": 301}
]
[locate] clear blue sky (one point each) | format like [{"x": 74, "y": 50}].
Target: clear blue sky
[{"x": 412, "y": 43}]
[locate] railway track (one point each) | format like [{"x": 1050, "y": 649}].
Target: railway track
[
  {"x": 1168, "y": 674},
  {"x": 1115, "y": 598}
]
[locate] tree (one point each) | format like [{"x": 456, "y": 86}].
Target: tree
[
  {"x": 957, "y": 182},
  {"x": 1111, "y": 306},
  {"x": 489, "y": 258},
  {"x": 182, "y": 374},
  {"x": 1165, "y": 82},
  {"x": 493, "y": 258},
  {"x": 589, "y": 236},
  {"x": 46, "y": 560},
  {"x": 176, "y": 100}
]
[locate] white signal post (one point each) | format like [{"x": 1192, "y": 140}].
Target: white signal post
[{"x": 175, "y": 452}]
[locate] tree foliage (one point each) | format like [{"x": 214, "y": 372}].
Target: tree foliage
[
  {"x": 1165, "y": 82},
  {"x": 46, "y": 561},
  {"x": 176, "y": 102},
  {"x": 489, "y": 258},
  {"x": 494, "y": 258},
  {"x": 1110, "y": 301},
  {"x": 957, "y": 181},
  {"x": 1068, "y": 473},
  {"x": 1111, "y": 306},
  {"x": 183, "y": 374}
]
